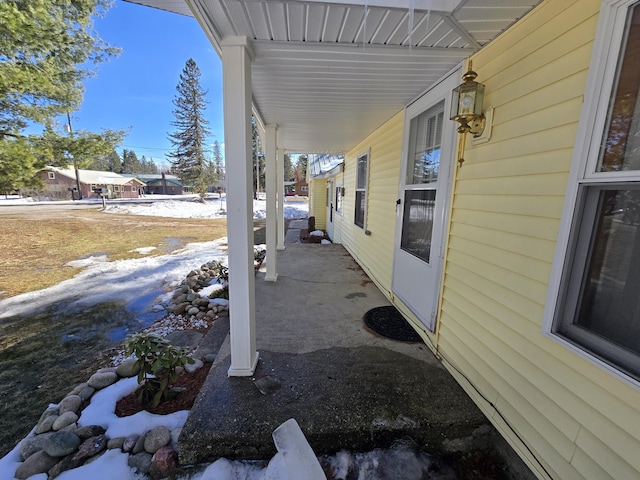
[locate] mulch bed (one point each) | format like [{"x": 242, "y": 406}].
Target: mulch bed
[{"x": 129, "y": 405}]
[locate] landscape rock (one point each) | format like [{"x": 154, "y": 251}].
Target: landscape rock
[
  {"x": 70, "y": 403},
  {"x": 64, "y": 420},
  {"x": 86, "y": 393},
  {"x": 130, "y": 442},
  {"x": 91, "y": 446},
  {"x": 179, "y": 310},
  {"x": 192, "y": 367},
  {"x": 78, "y": 388},
  {"x": 129, "y": 368},
  {"x": 46, "y": 424},
  {"x": 61, "y": 444},
  {"x": 51, "y": 411},
  {"x": 100, "y": 380},
  {"x": 90, "y": 431},
  {"x": 140, "y": 461},
  {"x": 175, "y": 433},
  {"x": 114, "y": 443},
  {"x": 31, "y": 445},
  {"x": 163, "y": 462},
  {"x": 39, "y": 462},
  {"x": 67, "y": 463},
  {"x": 139, "y": 446},
  {"x": 156, "y": 439},
  {"x": 193, "y": 310}
]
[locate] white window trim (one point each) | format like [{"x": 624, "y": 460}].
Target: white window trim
[
  {"x": 366, "y": 153},
  {"x": 52, "y": 175},
  {"x": 600, "y": 81}
]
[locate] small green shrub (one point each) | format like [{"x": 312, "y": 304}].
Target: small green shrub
[
  {"x": 158, "y": 360},
  {"x": 221, "y": 293},
  {"x": 221, "y": 271}
]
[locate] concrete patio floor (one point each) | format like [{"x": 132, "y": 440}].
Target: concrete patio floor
[{"x": 347, "y": 387}]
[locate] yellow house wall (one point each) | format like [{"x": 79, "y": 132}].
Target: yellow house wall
[
  {"x": 373, "y": 251},
  {"x": 317, "y": 202},
  {"x": 578, "y": 421}
]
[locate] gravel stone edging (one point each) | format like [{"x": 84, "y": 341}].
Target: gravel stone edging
[{"x": 58, "y": 444}]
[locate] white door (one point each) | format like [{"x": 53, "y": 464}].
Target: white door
[
  {"x": 330, "y": 208},
  {"x": 422, "y": 207}
]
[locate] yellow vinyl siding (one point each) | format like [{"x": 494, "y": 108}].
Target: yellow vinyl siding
[
  {"x": 375, "y": 252},
  {"x": 318, "y": 194},
  {"x": 579, "y": 420}
]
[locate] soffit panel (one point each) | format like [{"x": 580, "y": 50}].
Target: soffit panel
[{"x": 328, "y": 73}]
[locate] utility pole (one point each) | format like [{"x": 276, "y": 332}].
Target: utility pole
[{"x": 75, "y": 163}]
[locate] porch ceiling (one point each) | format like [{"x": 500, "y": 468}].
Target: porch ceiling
[{"x": 329, "y": 72}]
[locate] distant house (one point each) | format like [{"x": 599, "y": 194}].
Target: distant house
[
  {"x": 161, "y": 183},
  {"x": 300, "y": 188},
  {"x": 61, "y": 183}
]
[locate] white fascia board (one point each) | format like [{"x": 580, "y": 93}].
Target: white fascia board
[{"x": 445, "y": 6}]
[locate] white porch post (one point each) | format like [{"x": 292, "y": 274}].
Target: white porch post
[
  {"x": 236, "y": 75},
  {"x": 280, "y": 191},
  {"x": 270, "y": 180}
]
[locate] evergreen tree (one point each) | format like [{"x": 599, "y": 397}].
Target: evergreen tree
[
  {"x": 188, "y": 140},
  {"x": 217, "y": 162},
  {"x": 130, "y": 162},
  {"x": 300, "y": 171},
  {"x": 148, "y": 165},
  {"x": 258, "y": 158},
  {"x": 288, "y": 168},
  {"x": 114, "y": 162}
]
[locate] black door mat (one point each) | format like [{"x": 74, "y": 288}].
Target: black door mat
[{"x": 389, "y": 322}]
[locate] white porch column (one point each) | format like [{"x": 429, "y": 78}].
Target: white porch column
[
  {"x": 236, "y": 76},
  {"x": 280, "y": 191},
  {"x": 270, "y": 180}
]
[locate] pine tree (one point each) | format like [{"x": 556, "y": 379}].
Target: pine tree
[
  {"x": 217, "y": 160},
  {"x": 130, "y": 162},
  {"x": 288, "y": 168},
  {"x": 258, "y": 158},
  {"x": 188, "y": 140}
]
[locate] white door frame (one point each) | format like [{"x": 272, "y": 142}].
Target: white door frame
[{"x": 417, "y": 283}]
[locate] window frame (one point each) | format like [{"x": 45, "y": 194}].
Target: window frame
[
  {"x": 51, "y": 175},
  {"x": 584, "y": 178},
  {"x": 362, "y": 190}
]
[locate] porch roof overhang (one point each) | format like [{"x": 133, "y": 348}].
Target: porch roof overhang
[{"x": 329, "y": 72}]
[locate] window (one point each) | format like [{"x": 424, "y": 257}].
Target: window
[
  {"x": 361, "y": 189},
  {"x": 598, "y": 305},
  {"x": 134, "y": 189},
  {"x": 339, "y": 195},
  {"x": 52, "y": 176},
  {"x": 116, "y": 188},
  {"x": 304, "y": 189},
  {"x": 425, "y": 144}
]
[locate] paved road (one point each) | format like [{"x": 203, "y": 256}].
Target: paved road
[{"x": 61, "y": 206}]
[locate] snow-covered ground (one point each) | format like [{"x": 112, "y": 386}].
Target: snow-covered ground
[{"x": 126, "y": 280}]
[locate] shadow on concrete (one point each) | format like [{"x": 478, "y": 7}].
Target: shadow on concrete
[{"x": 346, "y": 387}]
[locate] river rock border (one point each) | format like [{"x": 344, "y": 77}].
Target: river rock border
[{"x": 58, "y": 444}]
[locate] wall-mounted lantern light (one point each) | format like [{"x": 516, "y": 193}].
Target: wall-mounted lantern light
[{"x": 466, "y": 105}]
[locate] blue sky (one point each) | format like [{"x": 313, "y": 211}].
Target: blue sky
[{"x": 135, "y": 90}]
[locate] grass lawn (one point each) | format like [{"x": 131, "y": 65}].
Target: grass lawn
[{"x": 36, "y": 246}]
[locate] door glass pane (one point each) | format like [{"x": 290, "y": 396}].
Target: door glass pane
[
  {"x": 361, "y": 176},
  {"x": 425, "y": 144},
  {"x": 610, "y": 301},
  {"x": 360, "y": 204},
  {"x": 621, "y": 145},
  {"x": 417, "y": 222}
]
